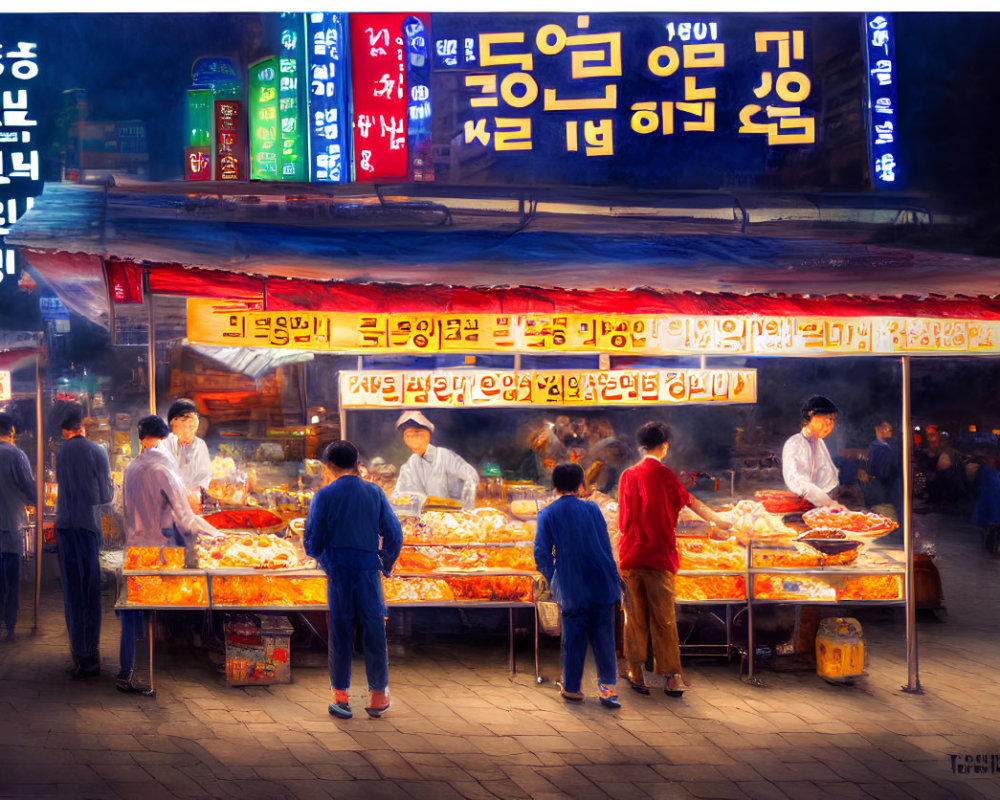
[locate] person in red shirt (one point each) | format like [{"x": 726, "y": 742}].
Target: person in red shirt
[{"x": 650, "y": 496}]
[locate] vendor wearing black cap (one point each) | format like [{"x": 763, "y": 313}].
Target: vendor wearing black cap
[
  {"x": 433, "y": 471},
  {"x": 806, "y": 465},
  {"x": 191, "y": 452}
]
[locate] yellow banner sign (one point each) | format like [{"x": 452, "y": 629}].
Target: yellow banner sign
[
  {"x": 232, "y": 324},
  {"x": 563, "y": 387}
]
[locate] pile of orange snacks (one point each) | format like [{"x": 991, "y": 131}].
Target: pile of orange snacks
[
  {"x": 710, "y": 587},
  {"x": 268, "y": 590},
  {"x": 792, "y": 554},
  {"x": 416, "y": 590},
  {"x": 154, "y": 558},
  {"x": 430, "y": 559},
  {"x": 872, "y": 587},
  {"x": 700, "y": 552},
  {"x": 862, "y": 523},
  {"x": 167, "y": 590},
  {"x": 793, "y": 587},
  {"x": 503, "y": 588},
  {"x": 244, "y": 519},
  {"x": 248, "y": 551},
  {"x": 473, "y": 526}
]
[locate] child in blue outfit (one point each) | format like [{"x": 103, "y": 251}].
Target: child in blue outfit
[{"x": 573, "y": 552}]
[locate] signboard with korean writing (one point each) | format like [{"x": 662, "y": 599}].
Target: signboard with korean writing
[
  {"x": 265, "y": 144},
  {"x": 329, "y": 126},
  {"x": 20, "y": 174},
  {"x": 233, "y": 324},
  {"x": 561, "y": 387},
  {"x": 198, "y": 153},
  {"x": 291, "y": 107},
  {"x": 681, "y": 100},
  {"x": 379, "y": 94},
  {"x": 4, "y": 385},
  {"x": 230, "y": 141},
  {"x": 883, "y": 124}
]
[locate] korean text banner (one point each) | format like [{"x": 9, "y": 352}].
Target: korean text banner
[
  {"x": 680, "y": 100},
  {"x": 493, "y": 388},
  {"x": 233, "y": 324}
]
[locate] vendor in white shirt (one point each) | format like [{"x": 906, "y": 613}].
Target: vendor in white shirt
[
  {"x": 806, "y": 465},
  {"x": 433, "y": 471},
  {"x": 190, "y": 451}
]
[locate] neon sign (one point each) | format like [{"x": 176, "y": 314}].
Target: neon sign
[
  {"x": 264, "y": 145},
  {"x": 882, "y": 118},
  {"x": 329, "y": 126}
]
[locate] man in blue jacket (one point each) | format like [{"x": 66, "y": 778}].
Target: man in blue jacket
[
  {"x": 573, "y": 552},
  {"x": 17, "y": 490},
  {"x": 84, "y": 477},
  {"x": 354, "y": 535}
]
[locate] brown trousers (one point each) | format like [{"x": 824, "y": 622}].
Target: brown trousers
[{"x": 649, "y": 608}]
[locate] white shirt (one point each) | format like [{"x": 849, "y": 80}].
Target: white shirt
[
  {"x": 808, "y": 469},
  {"x": 441, "y": 473},
  {"x": 193, "y": 463},
  {"x": 154, "y": 499}
]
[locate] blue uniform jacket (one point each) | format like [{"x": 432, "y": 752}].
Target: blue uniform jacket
[
  {"x": 345, "y": 523},
  {"x": 573, "y": 552}
]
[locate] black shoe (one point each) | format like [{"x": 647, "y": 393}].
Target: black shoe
[{"x": 81, "y": 671}]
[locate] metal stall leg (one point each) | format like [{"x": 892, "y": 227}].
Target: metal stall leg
[
  {"x": 510, "y": 639},
  {"x": 151, "y": 692},
  {"x": 538, "y": 677}
]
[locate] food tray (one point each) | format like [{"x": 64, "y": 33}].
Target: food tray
[{"x": 856, "y": 524}]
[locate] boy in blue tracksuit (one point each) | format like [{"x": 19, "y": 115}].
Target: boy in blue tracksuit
[
  {"x": 573, "y": 552},
  {"x": 355, "y": 536}
]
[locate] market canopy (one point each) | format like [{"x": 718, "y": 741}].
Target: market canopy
[{"x": 88, "y": 244}]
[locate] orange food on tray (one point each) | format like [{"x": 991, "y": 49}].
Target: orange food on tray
[
  {"x": 167, "y": 590},
  {"x": 860, "y": 523},
  {"x": 710, "y": 587},
  {"x": 248, "y": 551},
  {"x": 779, "y": 501},
  {"x": 268, "y": 590},
  {"x": 154, "y": 558},
  {"x": 244, "y": 519},
  {"x": 872, "y": 587},
  {"x": 699, "y": 552},
  {"x": 793, "y": 587},
  {"x": 416, "y": 590}
]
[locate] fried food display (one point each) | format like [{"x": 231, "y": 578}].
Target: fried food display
[
  {"x": 700, "y": 552},
  {"x": 474, "y": 526},
  {"x": 248, "y": 551},
  {"x": 779, "y": 501},
  {"x": 858, "y": 523},
  {"x": 710, "y": 587},
  {"x": 167, "y": 590}
]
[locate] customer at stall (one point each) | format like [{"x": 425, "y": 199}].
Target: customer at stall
[
  {"x": 433, "y": 471},
  {"x": 573, "y": 552},
  {"x": 157, "y": 514},
  {"x": 189, "y": 449},
  {"x": 882, "y": 489},
  {"x": 355, "y": 536},
  {"x": 650, "y": 497},
  {"x": 806, "y": 465},
  {"x": 985, "y": 482},
  {"x": 83, "y": 475},
  {"x": 17, "y": 490}
]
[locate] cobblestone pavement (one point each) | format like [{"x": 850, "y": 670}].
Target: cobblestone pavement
[{"x": 461, "y": 726}]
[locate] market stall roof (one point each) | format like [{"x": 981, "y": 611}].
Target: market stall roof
[
  {"x": 19, "y": 349},
  {"x": 360, "y": 250}
]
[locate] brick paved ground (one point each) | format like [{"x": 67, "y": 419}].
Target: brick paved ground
[{"x": 460, "y": 726}]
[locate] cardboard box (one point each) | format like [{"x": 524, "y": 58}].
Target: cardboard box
[{"x": 258, "y": 652}]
